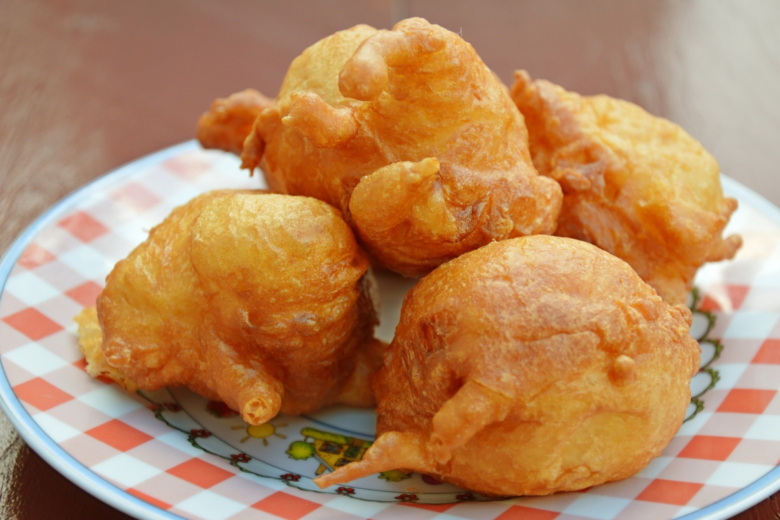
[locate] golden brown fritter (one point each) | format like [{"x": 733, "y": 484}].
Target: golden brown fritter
[
  {"x": 412, "y": 137},
  {"x": 262, "y": 301},
  {"x": 91, "y": 345},
  {"x": 635, "y": 185},
  {"x": 530, "y": 366},
  {"x": 228, "y": 121}
]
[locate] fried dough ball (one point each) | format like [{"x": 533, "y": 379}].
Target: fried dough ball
[
  {"x": 412, "y": 137},
  {"x": 91, "y": 345},
  {"x": 635, "y": 185},
  {"x": 530, "y": 366},
  {"x": 228, "y": 121},
  {"x": 262, "y": 301}
]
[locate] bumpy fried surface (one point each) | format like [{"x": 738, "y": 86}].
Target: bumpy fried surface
[
  {"x": 91, "y": 345},
  {"x": 530, "y": 366},
  {"x": 228, "y": 121},
  {"x": 262, "y": 301},
  {"x": 412, "y": 137},
  {"x": 635, "y": 185}
]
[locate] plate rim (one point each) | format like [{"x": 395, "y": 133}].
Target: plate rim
[
  {"x": 120, "y": 499},
  {"x": 23, "y": 422},
  {"x": 768, "y": 484}
]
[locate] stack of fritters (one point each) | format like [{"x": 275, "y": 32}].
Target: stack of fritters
[{"x": 522, "y": 364}]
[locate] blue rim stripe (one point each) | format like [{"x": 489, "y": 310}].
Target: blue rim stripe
[
  {"x": 97, "y": 486},
  {"x": 29, "y": 430},
  {"x": 769, "y": 483}
]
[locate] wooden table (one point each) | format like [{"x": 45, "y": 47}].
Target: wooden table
[{"x": 86, "y": 86}]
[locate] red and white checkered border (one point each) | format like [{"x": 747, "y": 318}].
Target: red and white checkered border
[{"x": 107, "y": 442}]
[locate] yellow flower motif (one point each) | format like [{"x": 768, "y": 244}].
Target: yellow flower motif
[{"x": 261, "y": 431}]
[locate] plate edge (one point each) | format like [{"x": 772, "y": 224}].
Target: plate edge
[
  {"x": 22, "y": 421},
  {"x": 116, "y": 497}
]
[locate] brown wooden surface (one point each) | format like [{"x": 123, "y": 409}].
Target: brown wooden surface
[{"x": 86, "y": 86}]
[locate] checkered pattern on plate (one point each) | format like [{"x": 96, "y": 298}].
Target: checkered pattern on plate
[{"x": 733, "y": 441}]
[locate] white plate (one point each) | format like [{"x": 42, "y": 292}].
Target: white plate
[{"x": 192, "y": 458}]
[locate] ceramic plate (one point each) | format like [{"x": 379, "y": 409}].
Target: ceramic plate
[{"x": 172, "y": 453}]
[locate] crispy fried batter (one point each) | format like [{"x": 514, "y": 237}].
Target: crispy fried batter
[
  {"x": 530, "y": 366},
  {"x": 412, "y": 137},
  {"x": 228, "y": 121},
  {"x": 262, "y": 301},
  {"x": 91, "y": 345},
  {"x": 635, "y": 185}
]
